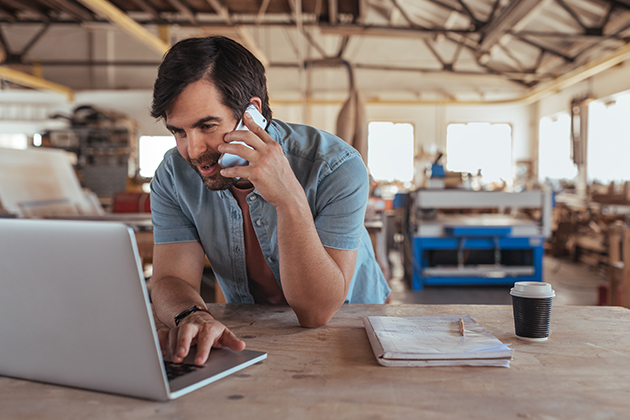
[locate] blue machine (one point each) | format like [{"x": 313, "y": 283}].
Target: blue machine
[{"x": 476, "y": 249}]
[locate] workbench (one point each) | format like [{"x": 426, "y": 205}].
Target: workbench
[
  {"x": 478, "y": 248},
  {"x": 581, "y": 372}
]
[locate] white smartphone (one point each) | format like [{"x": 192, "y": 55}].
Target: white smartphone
[{"x": 229, "y": 161}]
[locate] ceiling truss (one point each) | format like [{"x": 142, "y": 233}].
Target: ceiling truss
[{"x": 528, "y": 42}]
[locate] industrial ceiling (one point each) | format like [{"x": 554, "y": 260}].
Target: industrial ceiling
[{"x": 440, "y": 50}]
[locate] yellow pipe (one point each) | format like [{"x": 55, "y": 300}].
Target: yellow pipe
[
  {"x": 117, "y": 17},
  {"x": 583, "y": 72},
  {"x": 164, "y": 33},
  {"x": 38, "y": 71},
  {"x": 25, "y": 79}
]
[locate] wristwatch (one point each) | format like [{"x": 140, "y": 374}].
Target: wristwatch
[{"x": 191, "y": 310}]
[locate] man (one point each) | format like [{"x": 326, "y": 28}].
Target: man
[{"x": 286, "y": 228}]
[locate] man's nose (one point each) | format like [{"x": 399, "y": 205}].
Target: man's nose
[{"x": 196, "y": 145}]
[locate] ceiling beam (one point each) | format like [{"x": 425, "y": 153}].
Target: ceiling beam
[
  {"x": 24, "y": 79},
  {"x": 559, "y": 35},
  {"x": 147, "y": 8},
  {"x": 449, "y": 7},
  {"x": 71, "y": 9},
  {"x": 540, "y": 91},
  {"x": 621, "y": 3},
  {"x": 250, "y": 43},
  {"x": 21, "y": 5},
  {"x": 7, "y": 16},
  {"x": 386, "y": 31},
  {"x": 573, "y": 14},
  {"x": 404, "y": 14},
  {"x": 120, "y": 19},
  {"x": 221, "y": 10},
  {"x": 469, "y": 12},
  {"x": 184, "y": 10},
  {"x": 261, "y": 11},
  {"x": 241, "y": 34},
  {"x": 437, "y": 55},
  {"x": 511, "y": 14},
  {"x": 565, "y": 57},
  {"x": 26, "y": 48},
  {"x": 584, "y": 72},
  {"x": 332, "y": 11},
  {"x": 343, "y": 44}
]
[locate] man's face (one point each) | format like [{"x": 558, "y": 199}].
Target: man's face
[{"x": 199, "y": 121}]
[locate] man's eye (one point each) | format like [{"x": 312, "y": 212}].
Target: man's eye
[{"x": 207, "y": 126}]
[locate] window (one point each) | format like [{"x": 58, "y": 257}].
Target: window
[
  {"x": 608, "y": 144},
  {"x": 390, "y": 151},
  {"x": 554, "y": 148},
  {"x": 151, "y": 150},
  {"x": 14, "y": 141},
  {"x": 480, "y": 146}
]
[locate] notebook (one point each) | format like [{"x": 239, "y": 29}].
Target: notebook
[
  {"x": 74, "y": 311},
  {"x": 434, "y": 341}
]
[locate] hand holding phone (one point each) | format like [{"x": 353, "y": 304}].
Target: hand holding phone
[{"x": 228, "y": 160}]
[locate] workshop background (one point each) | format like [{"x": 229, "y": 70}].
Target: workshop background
[{"x": 496, "y": 132}]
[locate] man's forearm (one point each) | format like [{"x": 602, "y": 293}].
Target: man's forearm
[{"x": 313, "y": 283}]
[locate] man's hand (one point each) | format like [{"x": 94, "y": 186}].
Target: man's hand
[
  {"x": 200, "y": 329},
  {"x": 268, "y": 170}
]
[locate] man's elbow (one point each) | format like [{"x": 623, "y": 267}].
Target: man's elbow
[{"x": 314, "y": 320}]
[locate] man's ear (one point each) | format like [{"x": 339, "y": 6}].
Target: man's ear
[{"x": 255, "y": 100}]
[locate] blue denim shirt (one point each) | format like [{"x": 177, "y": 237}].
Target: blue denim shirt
[{"x": 335, "y": 181}]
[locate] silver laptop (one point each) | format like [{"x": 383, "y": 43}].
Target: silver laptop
[{"x": 74, "y": 311}]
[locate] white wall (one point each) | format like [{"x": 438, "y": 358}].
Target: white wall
[
  {"x": 29, "y": 109},
  {"x": 429, "y": 121},
  {"x": 607, "y": 83},
  {"x": 600, "y": 86}
]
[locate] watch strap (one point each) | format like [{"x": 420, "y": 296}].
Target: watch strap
[{"x": 183, "y": 314}]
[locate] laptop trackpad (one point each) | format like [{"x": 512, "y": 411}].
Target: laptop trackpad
[{"x": 221, "y": 363}]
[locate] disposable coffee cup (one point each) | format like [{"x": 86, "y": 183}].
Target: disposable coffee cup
[{"x": 531, "y": 302}]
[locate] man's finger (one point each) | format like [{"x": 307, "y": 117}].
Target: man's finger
[
  {"x": 163, "y": 339},
  {"x": 205, "y": 339},
  {"x": 229, "y": 340},
  {"x": 172, "y": 342},
  {"x": 185, "y": 335},
  {"x": 243, "y": 150},
  {"x": 256, "y": 129}
]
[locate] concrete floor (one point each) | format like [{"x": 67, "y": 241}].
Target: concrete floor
[{"x": 574, "y": 284}]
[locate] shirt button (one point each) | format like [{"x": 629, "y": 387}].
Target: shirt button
[
  {"x": 252, "y": 198},
  {"x": 258, "y": 222},
  {"x": 270, "y": 259}
]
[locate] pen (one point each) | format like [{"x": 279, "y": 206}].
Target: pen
[{"x": 461, "y": 326}]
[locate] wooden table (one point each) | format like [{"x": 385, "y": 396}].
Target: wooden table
[{"x": 581, "y": 372}]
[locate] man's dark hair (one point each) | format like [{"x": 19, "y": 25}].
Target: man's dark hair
[{"x": 229, "y": 66}]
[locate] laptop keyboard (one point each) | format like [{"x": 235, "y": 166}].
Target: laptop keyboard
[{"x": 175, "y": 370}]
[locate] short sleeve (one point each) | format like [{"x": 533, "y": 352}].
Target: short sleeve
[
  {"x": 170, "y": 223},
  {"x": 340, "y": 207}
]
